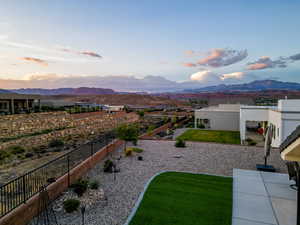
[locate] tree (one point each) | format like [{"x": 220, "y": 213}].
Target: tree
[
  {"x": 141, "y": 113},
  {"x": 128, "y": 132}
]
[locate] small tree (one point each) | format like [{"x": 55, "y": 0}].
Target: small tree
[
  {"x": 128, "y": 132},
  {"x": 141, "y": 114}
]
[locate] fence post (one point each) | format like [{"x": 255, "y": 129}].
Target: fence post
[
  {"x": 92, "y": 148},
  {"x": 68, "y": 159},
  {"x": 24, "y": 189}
]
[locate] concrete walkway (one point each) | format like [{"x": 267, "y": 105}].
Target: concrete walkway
[{"x": 261, "y": 198}]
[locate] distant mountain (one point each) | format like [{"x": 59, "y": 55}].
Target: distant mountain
[
  {"x": 65, "y": 91},
  {"x": 2, "y": 91},
  {"x": 258, "y": 85}
]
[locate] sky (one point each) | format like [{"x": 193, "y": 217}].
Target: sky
[{"x": 205, "y": 42}]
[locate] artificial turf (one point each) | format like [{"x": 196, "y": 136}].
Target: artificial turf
[
  {"x": 176, "y": 198},
  {"x": 219, "y": 136}
]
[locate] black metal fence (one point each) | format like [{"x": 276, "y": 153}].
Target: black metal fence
[{"x": 20, "y": 189}]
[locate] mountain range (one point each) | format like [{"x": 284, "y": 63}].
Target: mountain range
[
  {"x": 258, "y": 85},
  {"x": 157, "y": 84}
]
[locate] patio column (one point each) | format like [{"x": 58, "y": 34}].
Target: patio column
[
  {"x": 27, "y": 104},
  {"x": 12, "y": 106}
]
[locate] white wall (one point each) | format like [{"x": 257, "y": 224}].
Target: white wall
[{"x": 220, "y": 120}]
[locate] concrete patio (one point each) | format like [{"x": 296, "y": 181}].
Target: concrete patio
[{"x": 261, "y": 198}]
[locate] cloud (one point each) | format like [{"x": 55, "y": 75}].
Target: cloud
[
  {"x": 265, "y": 62},
  {"x": 295, "y": 57},
  {"x": 35, "y": 60},
  {"x": 189, "y": 64},
  {"x": 190, "y": 52},
  {"x": 204, "y": 76},
  {"x": 92, "y": 54},
  {"x": 222, "y": 57},
  {"x": 235, "y": 75}
]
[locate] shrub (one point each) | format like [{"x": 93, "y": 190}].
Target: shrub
[
  {"x": 80, "y": 186},
  {"x": 16, "y": 149},
  {"x": 4, "y": 154},
  {"x": 252, "y": 143},
  {"x": 201, "y": 126},
  {"x": 94, "y": 184},
  {"x": 137, "y": 150},
  {"x": 128, "y": 151},
  {"x": 56, "y": 143},
  {"x": 108, "y": 166},
  {"x": 180, "y": 143},
  {"x": 28, "y": 155},
  {"x": 71, "y": 205}
]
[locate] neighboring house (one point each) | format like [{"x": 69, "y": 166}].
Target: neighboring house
[
  {"x": 283, "y": 118},
  {"x": 11, "y": 103},
  {"x": 114, "y": 108},
  {"x": 221, "y": 117}
]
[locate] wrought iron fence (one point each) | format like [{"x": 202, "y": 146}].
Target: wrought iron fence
[{"x": 20, "y": 189}]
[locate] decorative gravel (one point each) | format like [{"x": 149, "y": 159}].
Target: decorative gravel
[{"x": 122, "y": 192}]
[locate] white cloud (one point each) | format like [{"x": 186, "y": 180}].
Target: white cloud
[
  {"x": 235, "y": 75},
  {"x": 204, "y": 76}
]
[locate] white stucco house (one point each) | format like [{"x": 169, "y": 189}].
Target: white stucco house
[{"x": 283, "y": 118}]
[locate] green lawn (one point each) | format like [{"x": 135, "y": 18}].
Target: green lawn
[
  {"x": 175, "y": 198},
  {"x": 219, "y": 136}
]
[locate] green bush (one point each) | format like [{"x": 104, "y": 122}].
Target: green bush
[
  {"x": 108, "y": 166},
  {"x": 201, "y": 126},
  {"x": 80, "y": 186},
  {"x": 16, "y": 149},
  {"x": 56, "y": 143},
  {"x": 71, "y": 205},
  {"x": 180, "y": 143},
  {"x": 4, "y": 154},
  {"x": 94, "y": 184}
]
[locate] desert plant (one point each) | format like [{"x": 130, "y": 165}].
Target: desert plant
[
  {"x": 4, "y": 154},
  {"x": 16, "y": 149},
  {"x": 71, "y": 205},
  {"x": 128, "y": 151},
  {"x": 56, "y": 143},
  {"x": 28, "y": 155},
  {"x": 94, "y": 185},
  {"x": 80, "y": 186},
  {"x": 108, "y": 166},
  {"x": 141, "y": 113},
  {"x": 180, "y": 143}
]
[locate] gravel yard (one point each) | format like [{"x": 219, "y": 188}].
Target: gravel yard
[{"x": 122, "y": 193}]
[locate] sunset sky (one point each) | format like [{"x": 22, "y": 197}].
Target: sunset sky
[{"x": 200, "y": 41}]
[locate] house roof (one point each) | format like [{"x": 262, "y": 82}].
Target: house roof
[{"x": 290, "y": 139}]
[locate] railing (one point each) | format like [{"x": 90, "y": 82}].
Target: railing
[{"x": 20, "y": 189}]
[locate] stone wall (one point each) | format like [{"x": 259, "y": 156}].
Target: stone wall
[{"x": 74, "y": 130}]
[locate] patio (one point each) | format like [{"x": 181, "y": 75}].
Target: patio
[{"x": 261, "y": 198}]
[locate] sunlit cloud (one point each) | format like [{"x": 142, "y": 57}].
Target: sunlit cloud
[
  {"x": 35, "y": 60},
  {"x": 265, "y": 62},
  {"x": 222, "y": 57},
  {"x": 189, "y": 64},
  {"x": 235, "y": 75},
  {"x": 204, "y": 76}
]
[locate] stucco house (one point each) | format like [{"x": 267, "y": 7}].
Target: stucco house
[{"x": 283, "y": 118}]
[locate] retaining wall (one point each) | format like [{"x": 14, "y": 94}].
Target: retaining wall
[{"x": 23, "y": 214}]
